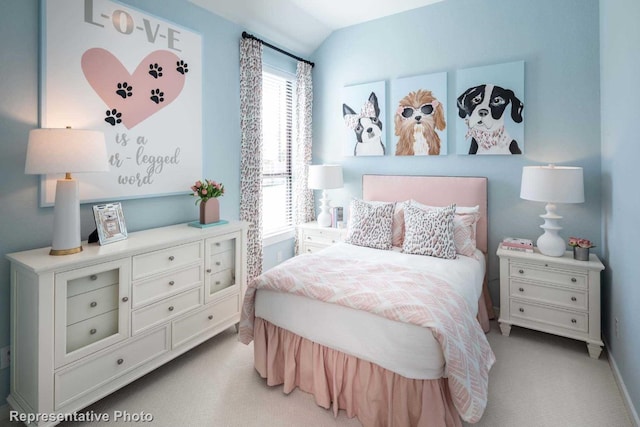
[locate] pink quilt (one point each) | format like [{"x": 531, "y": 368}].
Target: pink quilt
[{"x": 397, "y": 293}]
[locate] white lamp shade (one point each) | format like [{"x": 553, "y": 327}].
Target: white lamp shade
[
  {"x": 552, "y": 184},
  {"x": 66, "y": 150},
  {"x": 325, "y": 177}
]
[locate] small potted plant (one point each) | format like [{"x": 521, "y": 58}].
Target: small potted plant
[
  {"x": 580, "y": 248},
  {"x": 207, "y": 192}
]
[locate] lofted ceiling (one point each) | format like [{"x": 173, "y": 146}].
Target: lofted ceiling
[{"x": 302, "y": 25}]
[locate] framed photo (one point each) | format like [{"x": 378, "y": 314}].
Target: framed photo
[{"x": 110, "y": 222}]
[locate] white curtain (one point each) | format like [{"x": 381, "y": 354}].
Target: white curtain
[
  {"x": 251, "y": 150},
  {"x": 302, "y": 196}
]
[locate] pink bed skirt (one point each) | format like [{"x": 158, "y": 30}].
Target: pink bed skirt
[{"x": 377, "y": 396}]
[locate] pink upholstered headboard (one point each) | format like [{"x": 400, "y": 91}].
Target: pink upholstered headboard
[{"x": 434, "y": 191}]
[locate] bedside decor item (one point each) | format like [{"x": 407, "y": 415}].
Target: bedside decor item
[
  {"x": 208, "y": 192},
  {"x": 110, "y": 223},
  {"x": 325, "y": 177},
  {"x": 55, "y": 151},
  {"x": 552, "y": 184},
  {"x": 580, "y": 248}
]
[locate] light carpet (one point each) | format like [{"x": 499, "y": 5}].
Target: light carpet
[{"x": 539, "y": 380}]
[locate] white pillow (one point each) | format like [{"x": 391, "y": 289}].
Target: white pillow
[
  {"x": 370, "y": 224},
  {"x": 429, "y": 231}
]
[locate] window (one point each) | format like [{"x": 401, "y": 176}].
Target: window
[{"x": 277, "y": 130}]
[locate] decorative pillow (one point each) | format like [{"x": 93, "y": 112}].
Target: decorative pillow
[
  {"x": 398, "y": 223},
  {"x": 370, "y": 224},
  {"x": 429, "y": 232},
  {"x": 464, "y": 227}
]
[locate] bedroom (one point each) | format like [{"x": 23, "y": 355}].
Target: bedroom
[{"x": 579, "y": 59}]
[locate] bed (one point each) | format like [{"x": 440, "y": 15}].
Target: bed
[{"x": 381, "y": 356}]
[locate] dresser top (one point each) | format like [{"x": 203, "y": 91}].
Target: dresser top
[
  {"x": 39, "y": 260},
  {"x": 567, "y": 259}
]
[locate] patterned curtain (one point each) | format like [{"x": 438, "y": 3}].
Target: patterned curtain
[
  {"x": 302, "y": 197},
  {"x": 251, "y": 150}
]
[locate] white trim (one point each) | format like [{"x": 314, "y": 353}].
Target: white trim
[
  {"x": 631, "y": 410},
  {"x": 280, "y": 236},
  {"x": 4, "y": 412}
]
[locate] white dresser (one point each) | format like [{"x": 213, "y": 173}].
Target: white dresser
[
  {"x": 313, "y": 237},
  {"x": 558, "y": 295},
  {"x": 85, "y": 325}
]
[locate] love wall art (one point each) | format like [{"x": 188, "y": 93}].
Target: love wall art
[{"x": 137, "y": 78}]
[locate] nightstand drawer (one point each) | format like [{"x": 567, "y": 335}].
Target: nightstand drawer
[
  {"x": 309, "y": 248},
  {"x": 569, "y": 298},
  {"x": 538, "y": 274},
  {"x": 564, "y": 319},
  {"x": 323, "y": 236}
]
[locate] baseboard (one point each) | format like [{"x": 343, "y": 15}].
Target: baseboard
[
  {"x": 631, "y": 410},
  {"x": 4, "y": 412}
]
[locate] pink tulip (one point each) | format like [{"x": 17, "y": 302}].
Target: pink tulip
[{"x": 204, "y": 191}]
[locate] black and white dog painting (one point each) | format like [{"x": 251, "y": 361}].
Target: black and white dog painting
[
  {"x": 367, "y": 127},
  {"x": 483, "y": 109}
]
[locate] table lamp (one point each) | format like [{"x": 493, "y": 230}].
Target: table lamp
[
  {"x": 552, "y": 184},
  {"x": 64, "y": 151},
  {"x": 325, "y": 177}
]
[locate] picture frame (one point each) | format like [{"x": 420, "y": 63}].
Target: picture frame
[{"x": 110, "y": 222}]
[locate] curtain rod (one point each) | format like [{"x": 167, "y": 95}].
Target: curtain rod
[{"x": 246, "y": 35}]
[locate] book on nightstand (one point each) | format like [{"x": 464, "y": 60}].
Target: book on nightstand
[{"x": 517, "y": 244}]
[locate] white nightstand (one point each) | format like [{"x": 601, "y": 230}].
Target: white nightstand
[
  {"x": 312, "y": 237},
  {"x": 558, "y": 295}
]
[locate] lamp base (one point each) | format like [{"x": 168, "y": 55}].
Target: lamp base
[
  {"x": 324, "y": 217},
  {"x": 66, "y": 219},
  {"x": 550, "y": 243}
]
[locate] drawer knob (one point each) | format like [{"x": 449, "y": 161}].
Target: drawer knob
[
  {"x": 309, "y": 250},
  {"x": 521, "y": 271},
  {"x": 521, "y": 289},
  {"x": 218, "y": 263},
  {"x": 217, "y": 243},
  {"x": 171, "y": 258},
  {"x": 120, "y": 361},
  {"x": 208, "y": 270},
  {"x": 93, "y": 331},
  {"x": 574, "y": 299},
  {"x": 210, "y": 317},
  {"x": 170, "y": 308},
  {"x": 93, "y": 304},
  {"x": 171, "y": 283},
  {"x": 574, "y": 321},
  {"x": 217, "y": 282},
  {"x": 125, "y": 299},
  {"x": 93, "y": 277},
  {"x": 574, "y": 280},
  {"x": 333, "y": 241},
  {"x": 308, "y": 237},
  {"x": 521, "y": 310}
]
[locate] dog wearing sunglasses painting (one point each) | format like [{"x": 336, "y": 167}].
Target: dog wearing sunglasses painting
[{"x": 417, "y": 117}]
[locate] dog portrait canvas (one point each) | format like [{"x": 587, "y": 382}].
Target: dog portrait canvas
[
  {"x": 419, "y": 115},
  {"x": 490, "y": 106},
  {"x": 363, "y": 114}
]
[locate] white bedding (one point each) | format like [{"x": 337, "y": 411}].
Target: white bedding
[{"x": 406, "y": 349}]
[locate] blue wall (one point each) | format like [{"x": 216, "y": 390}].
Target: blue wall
[
  {"x": 558, "y": 42},
  {"x": 619, "y": 65}
]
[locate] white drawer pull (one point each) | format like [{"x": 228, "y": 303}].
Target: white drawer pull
[
  {"x": 521, "y": 310},
  {"x": 574, "y": 280},
  {"x": 171, "y": 258},
  {"x": 171, "y": 283},
  {"x": 210, "y": 317},
  {"x": 93, "y": 304},
  {"x": 93, "y": 331},
  {"x": 120, "y": 361},
  {"x": 125, "y": 299},
  {"x": 170, "y": 308},
  {"x": 574, "y": 299}
]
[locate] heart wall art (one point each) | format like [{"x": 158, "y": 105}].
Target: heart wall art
[{"x": 135, "y": 77}]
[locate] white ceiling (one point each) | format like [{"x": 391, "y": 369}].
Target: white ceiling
[{"x": 302, "y": 25}]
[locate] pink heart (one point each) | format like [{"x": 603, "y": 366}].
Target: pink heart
[{"x": 148, "y": 94}]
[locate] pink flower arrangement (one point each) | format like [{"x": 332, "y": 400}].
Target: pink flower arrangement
[
  {"x": 207, "y": 189},
  {"x": 580, "y": 242}
]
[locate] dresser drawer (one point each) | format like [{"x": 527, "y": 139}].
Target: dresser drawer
[
  {"x": 221, "y": 280},
  {"x": 166, "y": 309},
  {"x": 92, "y": 282},
  {"x": 221, "y": 261},
  {"x": 148, "y": 291},
  {"x": 564, "y": 278},
  {"x": 221, "y": 246},
  {"x": 91, "y": 330},
  {"x": 205, "y": 320},
  {"x": 89, "y": 304},
  {"x": 166, "y": 259},
  {"x": 569, "y": 298},
  {"x": 83, "y": 378},
  {"x": 556, "y": 317}
]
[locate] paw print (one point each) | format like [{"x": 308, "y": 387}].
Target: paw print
[
  {"x": 124, "y": 90},
  {"x": 113, "y": 117},
  {"x": 155, "y": 70},
  {"x": 182, "y": 67},
  {"x": 157, "y": 96}
]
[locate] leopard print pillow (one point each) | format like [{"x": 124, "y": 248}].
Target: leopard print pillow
[
  {"x": 429, "y": 232},
  {"x": 370, "y": 224}
]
